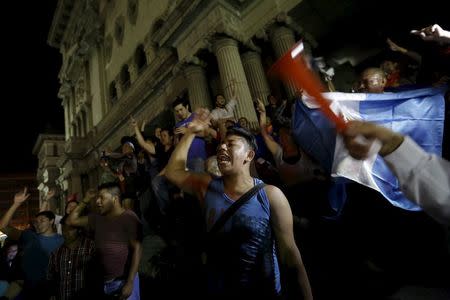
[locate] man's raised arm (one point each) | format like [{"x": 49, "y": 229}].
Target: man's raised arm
[
  {"x": 12, "y": 232},
  {"x": 75, "y": 218},
  {"x": 190, "y": 182}
]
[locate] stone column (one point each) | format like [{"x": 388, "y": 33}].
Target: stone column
[
  {"x": 74, "y": 129},
  {"x": 282, "y": 40},
  {"x": 230, "y": 68},
  {"x": 81, "y": 125},
  {"x": 72, "y": 110},
  {"x": 197, "y": 86},
  {"x": 67, "y": 126},
  {"x": 256, "y": 77}
]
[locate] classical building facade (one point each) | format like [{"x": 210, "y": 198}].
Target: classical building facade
[
  {"x": 49, "y": 148},
  {"x": 134, "y": 57}
]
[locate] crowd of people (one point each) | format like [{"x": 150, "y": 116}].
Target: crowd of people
[{"x": 235, "y": 206}]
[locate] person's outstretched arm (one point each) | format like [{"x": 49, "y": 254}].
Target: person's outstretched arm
[
  {"x": 424, "y": 178},
  {"x": 412, "y": 54},
  {"x": 11, "y": 232},
  {"x": 148, "y": 147},
  {"x": 433, "y": 33},
  {"x": 270, "y": 143}
]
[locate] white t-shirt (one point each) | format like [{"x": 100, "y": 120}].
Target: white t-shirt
[{"x": 224, "y": 113}]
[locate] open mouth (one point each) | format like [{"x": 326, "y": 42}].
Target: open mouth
[{"x": 222, "y": 158}]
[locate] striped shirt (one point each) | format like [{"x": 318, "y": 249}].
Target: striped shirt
[{"x": 68, "y": 268}]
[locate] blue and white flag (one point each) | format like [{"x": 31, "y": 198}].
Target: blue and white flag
[{"x": 416, "y": 113}]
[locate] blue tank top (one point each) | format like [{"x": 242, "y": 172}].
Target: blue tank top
[{"x": 242, "y": 256}]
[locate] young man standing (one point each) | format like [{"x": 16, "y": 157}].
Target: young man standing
[
  {"x": 37, "y": 247},
  {"x": 243, "y": 261},
  {"x": 69, "y": 264},
  {"x": 117, "y": 234}
]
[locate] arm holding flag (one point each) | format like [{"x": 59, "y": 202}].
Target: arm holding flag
[{"x": 423, "y": 177}]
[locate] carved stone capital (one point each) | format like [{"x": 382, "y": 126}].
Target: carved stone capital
[
  {"x": 221, "y": 43},
  {"x": 194, "y": 60},
  {"x": 283, "y": 17},
  {"x": 281, "y": 32},
  {"x": 65, "y": 90}
]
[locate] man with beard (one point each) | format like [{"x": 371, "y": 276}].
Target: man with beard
[{"x": 117, "y": 233}]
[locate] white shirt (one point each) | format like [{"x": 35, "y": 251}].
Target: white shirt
[
  {"x": 424, "y": 178},
  {"x": 224, "y": 113}
]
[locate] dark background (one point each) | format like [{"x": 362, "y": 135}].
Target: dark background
[
  {"x": 30, "y": 67},
  {"x": 30, "y": 82}
]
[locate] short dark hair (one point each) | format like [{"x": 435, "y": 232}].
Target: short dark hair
[
  {"x": 46, "y": 213},
  {"x": 181, "y": 101},
  {"x": 245, "y": 134},
  {"x": 112, "y": 187},
  {"x": 169, "y": 130},
  {"x": 68, "y": 202}
]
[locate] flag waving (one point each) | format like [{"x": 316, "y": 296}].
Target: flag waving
[{"x": 416, "y": 113}]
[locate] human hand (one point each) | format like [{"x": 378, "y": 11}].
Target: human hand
[
  {"x": 433, "y": 33},
  {"x": 180, "y": 130},
  {"x": 389, "y": 139},
  {"x": 201, "y": 121},
  {"x": 127, "y": 289},
  {"x": 51, "y": 193},
  {"x": 21, "y": 196},
  {"x": 260, "y": 106},
  {"x": 106, "y": 153},
  {"x": 134, "y": 124}
]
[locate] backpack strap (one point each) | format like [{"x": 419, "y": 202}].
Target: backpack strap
[{"x": 234, "y": 207}]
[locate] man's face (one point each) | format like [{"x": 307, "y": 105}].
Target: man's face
[
  {"x": 127, "y": 149},
  {"x": 232, "y": 154},
  {"x": 11, "y": 252},
  {"x": 105, "y": 202},
  {"x": 69, "y": 233},
  {"x": 158, "y": 133},
  {"x": 220, "y": 101},
  {"x": 43, "y": 224},
  {"x": 372, "y": 82},
  {"x": 243, "y": 123},
  {"x": 181, "y": 112},
  {"x": 166, "y": 139}
]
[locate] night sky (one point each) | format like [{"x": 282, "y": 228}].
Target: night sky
[{"x": 30, "y": 83}]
